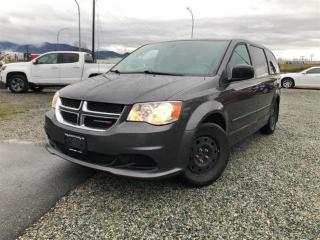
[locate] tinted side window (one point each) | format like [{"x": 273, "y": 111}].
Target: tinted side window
[
  {"x": 69, "y": 57},
  {"x": 259, "y": 61},
  {"x": 240, "y": 56},
  {"x": 88, "y": 58},
  {"x": 314, "y": 71},
  {"x": 48, "y": 59},
  {"x": 273, "y": 63}
]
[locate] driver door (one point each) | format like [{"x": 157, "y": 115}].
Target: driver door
[
  {"x": 46, "y": 70},
  {"x": 241, "y": 99}
]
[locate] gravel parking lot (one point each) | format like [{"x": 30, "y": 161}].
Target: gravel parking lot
[
  {"x": 22, "y": 116},
  {"x": 270, "y": 189}
]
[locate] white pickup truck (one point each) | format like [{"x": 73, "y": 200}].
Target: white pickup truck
[{"x": 50, "y": 69}]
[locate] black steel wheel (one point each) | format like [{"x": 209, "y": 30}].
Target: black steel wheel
[
  {"x": 204, "y": 154},
  {"x": 209, "y": 154}
]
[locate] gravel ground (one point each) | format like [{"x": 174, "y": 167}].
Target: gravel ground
[
  {"x": 270, "y": 190},
  {"x": 26, "y": 125}
]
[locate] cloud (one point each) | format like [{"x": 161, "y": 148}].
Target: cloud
[
  {"x": 277, "y": 32},
  {"x": 280, "y": 25}
]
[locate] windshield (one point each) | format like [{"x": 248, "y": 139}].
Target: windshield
[{"x": 193, "y": 58}]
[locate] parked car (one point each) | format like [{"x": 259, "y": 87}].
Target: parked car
[
  {"x": 50, "y": 69},
  {"x": 309, "y": 78},
  {"x": 168, "y": 108}
]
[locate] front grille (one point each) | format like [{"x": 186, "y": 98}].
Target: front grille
[
  {"x": 98, "y": 122},
  {"x": 71, "y": 103},
  {"x": 69, "y": 117},
  {"x": 105, "y": 107},
  {"x": 89, "y": 115}
]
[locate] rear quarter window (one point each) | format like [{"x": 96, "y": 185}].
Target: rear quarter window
[
  {"x": 259, "y": 61},
  {"x": 273, "y": 63},
  {"x": 69, "y": 57}
]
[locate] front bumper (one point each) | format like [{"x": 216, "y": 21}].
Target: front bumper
[
  {"x": 164, "y": 149},
  {"x": 2, "y": 85},
  {"x": 2, "y": 79}
]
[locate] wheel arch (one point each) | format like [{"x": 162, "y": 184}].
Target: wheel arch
[
  {"x": 10, "y": 74},
  {"x": 209, "y": 112},
  {"x": 277, "y": 99},
  {"x": 216, "y": 118}
]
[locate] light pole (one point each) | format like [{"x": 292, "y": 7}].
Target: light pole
[
  {"x": 58, "y": 35},
  {"x": 311, "y": 56},
  {"x": 192, "y": 21},
  {"x": 79, "y": 30},
  {"x": 93, "y": 29}
]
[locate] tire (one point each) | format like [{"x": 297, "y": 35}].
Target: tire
[
  {"x": 270, "y": 127},
  {"x": 209, "y": 156},
  {"x": 18, "y": 83},
  {"x": 36, "y": 88},
  {"x": 287, "y": 83}
]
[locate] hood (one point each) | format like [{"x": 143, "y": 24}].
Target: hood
[
  {"x": 17, "y": 64},
  {"x": 129, "y": 88},
  {"x": 290, "y": 74}
]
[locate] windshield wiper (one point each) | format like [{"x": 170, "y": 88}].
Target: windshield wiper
[
  {"x": 115, "y": 71},
  {"x": 149, "y": 72},
  {"x": 162, "y": 73}
]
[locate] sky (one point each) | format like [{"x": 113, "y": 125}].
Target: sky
[{"x": 291, "y": 28}]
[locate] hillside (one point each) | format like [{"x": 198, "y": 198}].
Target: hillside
[
  {"x": 7, "y": 46},
  {"x": 48, "y": 47}
]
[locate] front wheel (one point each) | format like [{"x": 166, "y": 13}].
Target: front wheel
[
  {"x": 209, "y": 154},
  {"x": 287, "y": 83},
  {"x": 18, "y": 83}
]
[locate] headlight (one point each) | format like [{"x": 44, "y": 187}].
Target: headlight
[
  {"x": 157, "y": 113},
  {"x": 55, "y": 100},
  {"x": 3, "y": 68},
  {"x": 56, "y": 103}
]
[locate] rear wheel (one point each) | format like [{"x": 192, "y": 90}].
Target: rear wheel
[
  {"x": 287, "y": 83},
  {"x": 18, "y": 83},
  {"x": 270, "y": 127},
  {"x": 209, "y": 155}
]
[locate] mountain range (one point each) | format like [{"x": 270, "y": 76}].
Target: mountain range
[{"x": 48, "y": 47}]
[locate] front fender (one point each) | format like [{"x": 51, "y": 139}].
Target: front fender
[
  {"x": 204, "y": 110},
  {"x": 22, "y": 70}
]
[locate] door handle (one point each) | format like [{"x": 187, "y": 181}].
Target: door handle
[
  {"x": 54, "y": 67},
  {"x": 76, "y": 67}
]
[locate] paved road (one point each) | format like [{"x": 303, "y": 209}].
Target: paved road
[{"x": 31, "y": 181}]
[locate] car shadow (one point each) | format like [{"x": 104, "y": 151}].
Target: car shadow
[{"x": 107, "y": 182}]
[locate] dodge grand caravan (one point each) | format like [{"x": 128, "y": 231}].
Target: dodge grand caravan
[{"x": 168, "y": 108}]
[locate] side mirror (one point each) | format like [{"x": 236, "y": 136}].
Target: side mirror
[
  {"x": 35, "y": 62},
  {"x": 242, "y": 72}
]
